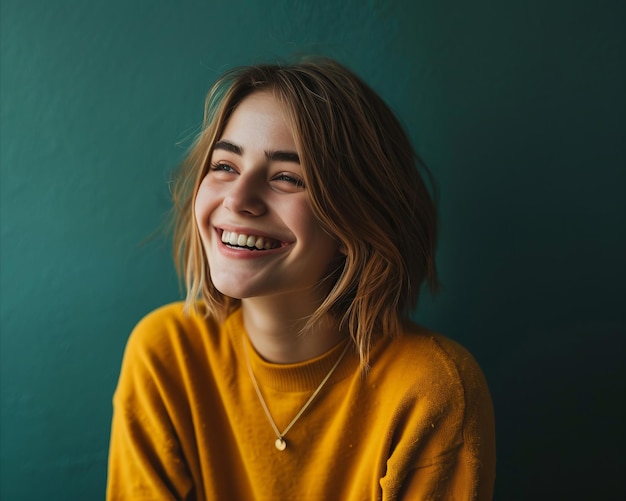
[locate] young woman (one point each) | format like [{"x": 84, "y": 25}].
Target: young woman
[{"x": 304, "y": 233}]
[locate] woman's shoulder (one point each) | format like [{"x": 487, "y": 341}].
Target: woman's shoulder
[
  {"x": 175, "y": 312},
  {"x": 417, "y": 343},
  {"x": 425, "y": 359},
  {"x": 172, "y": 325}
]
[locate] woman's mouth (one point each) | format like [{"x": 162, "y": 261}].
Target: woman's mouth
[{"x": 250, "y": 242}]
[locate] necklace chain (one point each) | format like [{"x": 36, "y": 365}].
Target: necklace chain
[{"x": 280, "y": 443}]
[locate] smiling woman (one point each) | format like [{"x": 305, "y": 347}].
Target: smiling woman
[{"x": 304, "y": 231}]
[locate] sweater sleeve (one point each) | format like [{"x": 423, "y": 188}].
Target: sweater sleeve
[
  {"x": 145, "y": 459},
  {"x": 446, "y": 449}
]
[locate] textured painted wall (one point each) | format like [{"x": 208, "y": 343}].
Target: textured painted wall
[{"x": 518, "y": 107}]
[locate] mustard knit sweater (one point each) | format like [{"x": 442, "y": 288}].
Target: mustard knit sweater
[{"x": 188, "y": 424}]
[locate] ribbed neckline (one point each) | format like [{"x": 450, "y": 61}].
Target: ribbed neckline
[{"x": 301, "y": 376}]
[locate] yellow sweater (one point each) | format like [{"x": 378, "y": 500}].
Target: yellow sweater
[{"x": 188, "y": 424}]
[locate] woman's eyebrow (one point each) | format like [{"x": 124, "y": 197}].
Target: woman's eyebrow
[
  {"x": 228, "y": 146},
  {"x": 283, "y": 156},
  {"x": 277, "y": 155}
]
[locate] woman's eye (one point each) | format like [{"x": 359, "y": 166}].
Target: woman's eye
[
  {"x": 219, "y": 167},
  {"x": 296, "y": 181}
]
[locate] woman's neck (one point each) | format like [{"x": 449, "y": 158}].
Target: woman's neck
[{"x": 275, "y": 331}]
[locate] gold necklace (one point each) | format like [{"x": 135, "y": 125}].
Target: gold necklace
[{"x": 280, "y": 442}]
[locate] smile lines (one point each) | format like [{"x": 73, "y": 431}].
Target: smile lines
[{"x": 250, "y": 241}]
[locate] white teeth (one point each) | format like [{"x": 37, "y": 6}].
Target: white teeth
[{"x": 241, "y": 240}]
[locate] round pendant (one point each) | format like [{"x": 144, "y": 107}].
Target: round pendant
[{"x": 280, "y": 444}]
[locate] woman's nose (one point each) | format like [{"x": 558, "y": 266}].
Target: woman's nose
[{"x": 245, "y": 196}]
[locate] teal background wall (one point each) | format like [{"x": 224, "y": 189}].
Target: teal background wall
[{"x": 517, "y": 106}]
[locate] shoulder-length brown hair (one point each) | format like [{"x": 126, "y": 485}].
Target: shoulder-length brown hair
[{"x": 365, "y": 185}]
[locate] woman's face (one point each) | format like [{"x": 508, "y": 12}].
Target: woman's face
[{"x": 253, "y": 211}]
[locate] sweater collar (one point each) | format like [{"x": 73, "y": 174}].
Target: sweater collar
[{"x": 300, "y": 376}]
